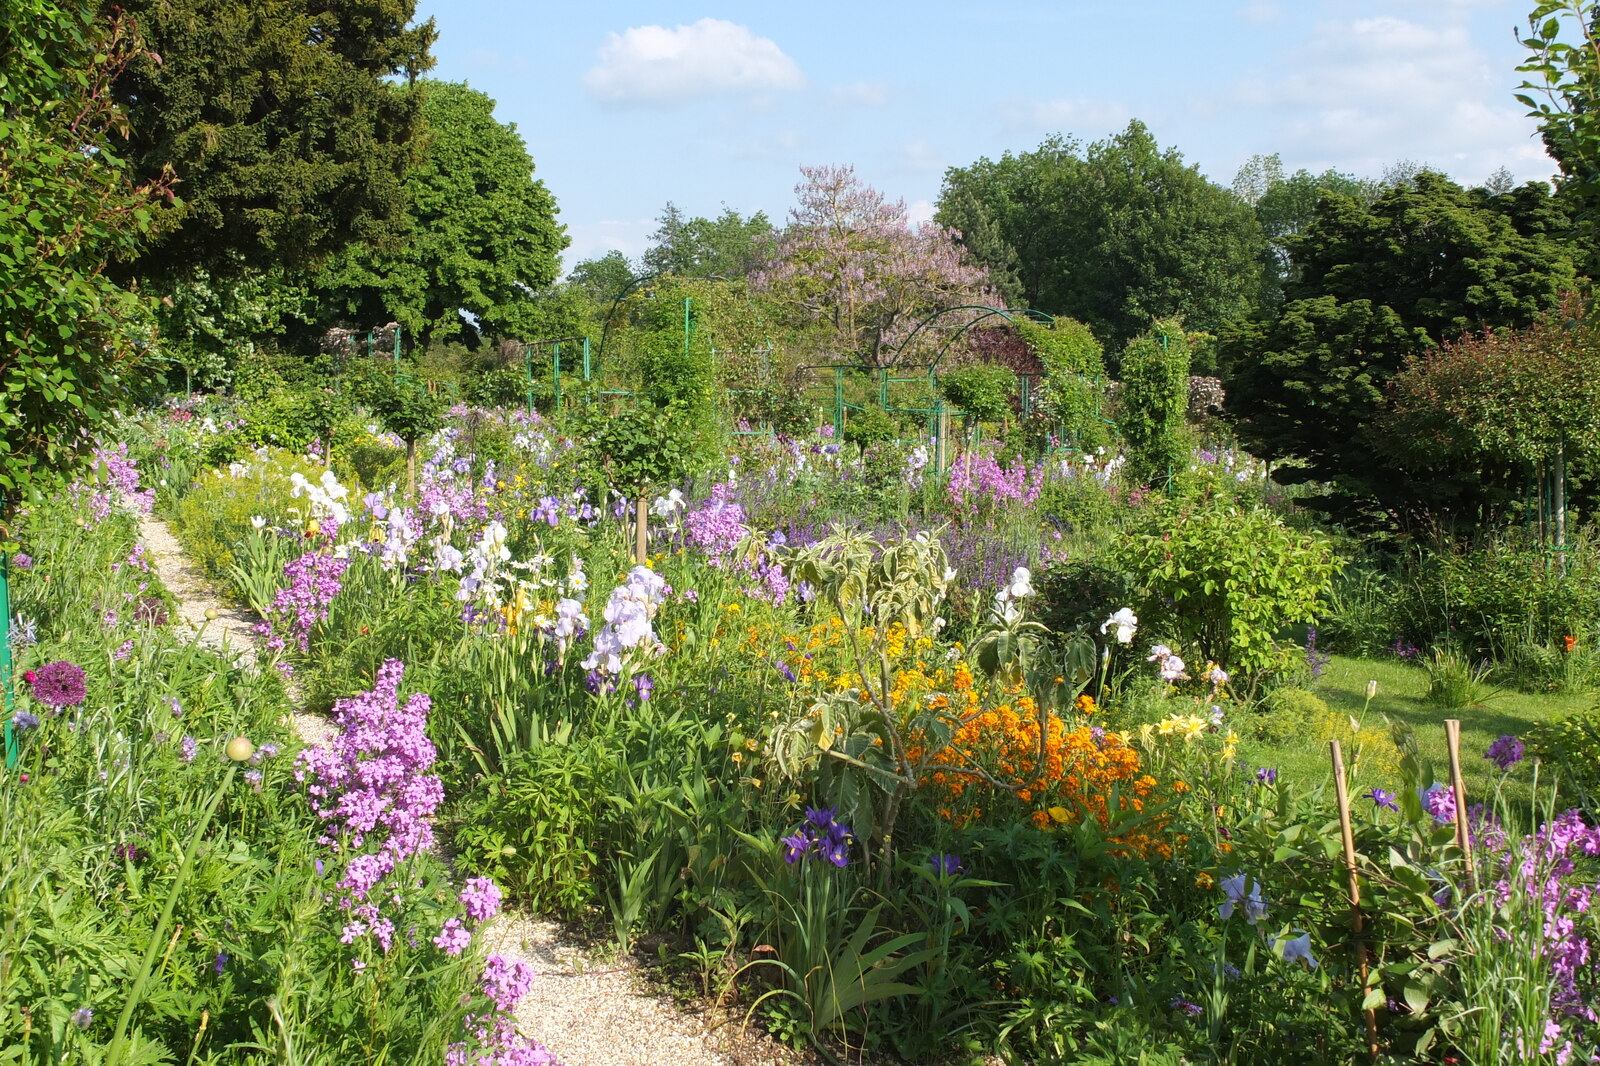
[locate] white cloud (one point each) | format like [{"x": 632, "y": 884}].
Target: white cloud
[
  {"x": 919, "y": 212},
  {"x": 1362, "y": 93},
  {"x": 1080, "y": 115},
  {"x": 712, "y": 57},
  {"x": 919, "y": 157}
]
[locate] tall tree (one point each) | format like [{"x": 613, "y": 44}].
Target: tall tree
[
  {"x": 71, "y": 337},
  {"x": 850, "y": 262},
  {"x": 728, "y": 246},
  {"x": 1378, "y": 283},
  {"x": 1117, "y": 234},
  {"x": 1284, "y": 205},
  {"x": 480, "y": 237},
  {"x": 280, "y": 118}
]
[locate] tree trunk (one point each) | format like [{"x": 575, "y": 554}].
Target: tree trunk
[
  {"x": 411, "y": 467},
  {"x": 641, "y": 523}
]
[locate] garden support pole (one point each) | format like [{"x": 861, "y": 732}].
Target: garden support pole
[
  {"x": 641, "y": 524},
  {"x": 5, "y": 658},
  {"x": 1452, "y": 734},
  {"x": 1357, "y": 923}
]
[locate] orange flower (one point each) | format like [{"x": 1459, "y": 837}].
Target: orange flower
[{"x": 1568, "y": 642}]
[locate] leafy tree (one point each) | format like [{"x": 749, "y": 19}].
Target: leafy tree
[
  {"x": 1113, "y": 235},
  {"x": 71, "y": 339},
  {"x": 1377, "y": 283},
  {"x": 728, "y": 246},
  {"x": 1155, "y": 402},
  {"x": 978, "y": 232},
  {"x": 279, "y": 117},
  {"x": 1285, "y": 205},
  {"x": 983, "y": 391},
  {"x": 605, "y": 278},
  {"x": 481, "y": 235},
  {"x": 850, "y": 262},
  {"x": 1562, "y": 87}
]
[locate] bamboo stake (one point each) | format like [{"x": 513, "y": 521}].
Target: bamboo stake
[
  {"x": 1358, "y": 924},
  {"x": 1452, "y": 733}
]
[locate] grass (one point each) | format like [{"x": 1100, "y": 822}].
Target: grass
[{"x": 1402, "y": 691}]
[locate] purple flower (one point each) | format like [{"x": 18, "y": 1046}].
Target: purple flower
[
  {"x": 506, "y": 982},
  {"x": 795, "y": 847},
  {"x": 23, "y": 720},
  {"x": 220, "y": 962},
  {"x": 481, "y": 898},
  {"x": 453, "y": 938},
  {"x": 1380, "y": 798},
  {"x": 1244, "y": 894},
  {"x": 82, "y": 1017},
  {"x": 1505, "y": 752},
  {"x": 1191, "y": 1009},
  {"x": 644, "y": 686},
  {"x": 253, "y": 779},
  {"x": 783, "y": 668},
  {"x": 1266, "y": 776},
  {"x": 823, "y": 836},
  {"x": 59, "y": 684},
  {"x": 1440, "y": 801},
  {"x": 945, "y": 865},
  {"x": 22, "y": 561},
  {"x": 191, "y": 748}
]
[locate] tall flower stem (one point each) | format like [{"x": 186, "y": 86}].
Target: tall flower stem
[{"x": 113, "y": 1054}]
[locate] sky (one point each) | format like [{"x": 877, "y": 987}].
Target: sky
[{"x": 625, "y": 106}]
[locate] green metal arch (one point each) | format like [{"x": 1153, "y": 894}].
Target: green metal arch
[{"x": 988, "y": 312}]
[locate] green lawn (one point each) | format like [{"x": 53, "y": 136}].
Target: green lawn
[{"x": 1401, "y": 691}]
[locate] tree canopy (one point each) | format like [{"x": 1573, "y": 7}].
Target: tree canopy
[
  {"x": 728, "y": 246},
  {"x": 850, "y": 262},
  {"x": 1115, "y": 235},
  {"x": 1377, "y": 283},
  {"x": 67, "y": 208},
  {"x": 279, "y": 118},
  {"x": 480, "y": 236}
]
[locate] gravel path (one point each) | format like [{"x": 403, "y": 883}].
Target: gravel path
[{"x": 587, "y": 1012}]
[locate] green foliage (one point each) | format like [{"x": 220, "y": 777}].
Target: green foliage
[
  {"x": 479, "y": 232},
  {"x": 1074, "y": 378},
  {"x": 1455, "y": 682},
  {"x": 982, "y": 390},
  {"x": 1489, "y": 595},
  {"x": 1573, "y": 746},
  {"x": 1234, "y": 580},
  {"x": 1379, "y": 282},
  {"x": 1113, "y": 235},
  {"x": 1155, "y": 403},
  {"x": 1563, "y": 84},
  {"x": 214, "y": 518},
  {"x": 405, "y": 406},
  {"x": 280, "y": 122},
  {"x": 870, "y": 426},
  {"x": 728, "y": 246},
  {"x": 643, "y": 450},
  {"x": 70, "y": 350}
]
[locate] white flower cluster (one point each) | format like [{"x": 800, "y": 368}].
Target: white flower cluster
[
  {"x": 628, "y": 614},
  {"x": 1019, "y": 588},
  {"x": 326, "y": 495},
  {"x": 1125, "y": 622}
]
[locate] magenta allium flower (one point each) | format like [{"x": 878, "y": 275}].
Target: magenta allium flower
[
  {"x": 506, "y": 982},
  {"x": 59, "y": 684},
  {"x": 481, "y": 898},
  {"x": 1505, "y": 752},
  {"x": 453, "y": 938}
]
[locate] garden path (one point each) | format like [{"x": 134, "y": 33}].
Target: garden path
[{"x": 588, "y": 1012}]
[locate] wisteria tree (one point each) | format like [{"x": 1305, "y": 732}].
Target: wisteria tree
[{"x": 851, "y": 262}]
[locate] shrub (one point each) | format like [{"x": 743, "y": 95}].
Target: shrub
[
  {"x": 869, "y": 426},
  {"x": 1074, "y": 378},
  {"x": 1227, "y": 580},
  {"x": 982, "y": 390},
  {"x": 1573, "y": 745},
  {"x": 1155, "y": 403}
]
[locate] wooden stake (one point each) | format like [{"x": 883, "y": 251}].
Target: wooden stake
[
  {"x": 641, "y": 524},
  {"x": 1357, "y": 923},
  {"x": 1452, "y": 734}
]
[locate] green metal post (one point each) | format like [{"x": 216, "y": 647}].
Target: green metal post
[
  {"x": 5, "y": 657},
  {"x": 588, "y": 393},
  {"x": 686, "y": 302},
  {"x": 397, "y": 332},
  {"x": 838, "y": 400},
  {"x": 555, "y": 369},
  {"x": 527, "y": 372}
]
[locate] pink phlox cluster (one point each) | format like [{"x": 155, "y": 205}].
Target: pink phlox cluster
[
  {"x": 370, "y": 787},
  {"x": 481, "y": 899},
  {"x": 314, "y": 581},
  {"x": 1541, "y": 869},
  {"x": 496, "y": 1042},
  {"x": 122, "y": 475},
  {"x": 506, "y": 981},
  {"x": 716, "y": 526},
  {"x": 981, "y": 483}
]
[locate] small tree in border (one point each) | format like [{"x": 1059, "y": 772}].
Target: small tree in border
[{"x": 1155, "y": 401}]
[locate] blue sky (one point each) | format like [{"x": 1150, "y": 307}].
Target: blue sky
[{"x": 625, "y": 106}]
